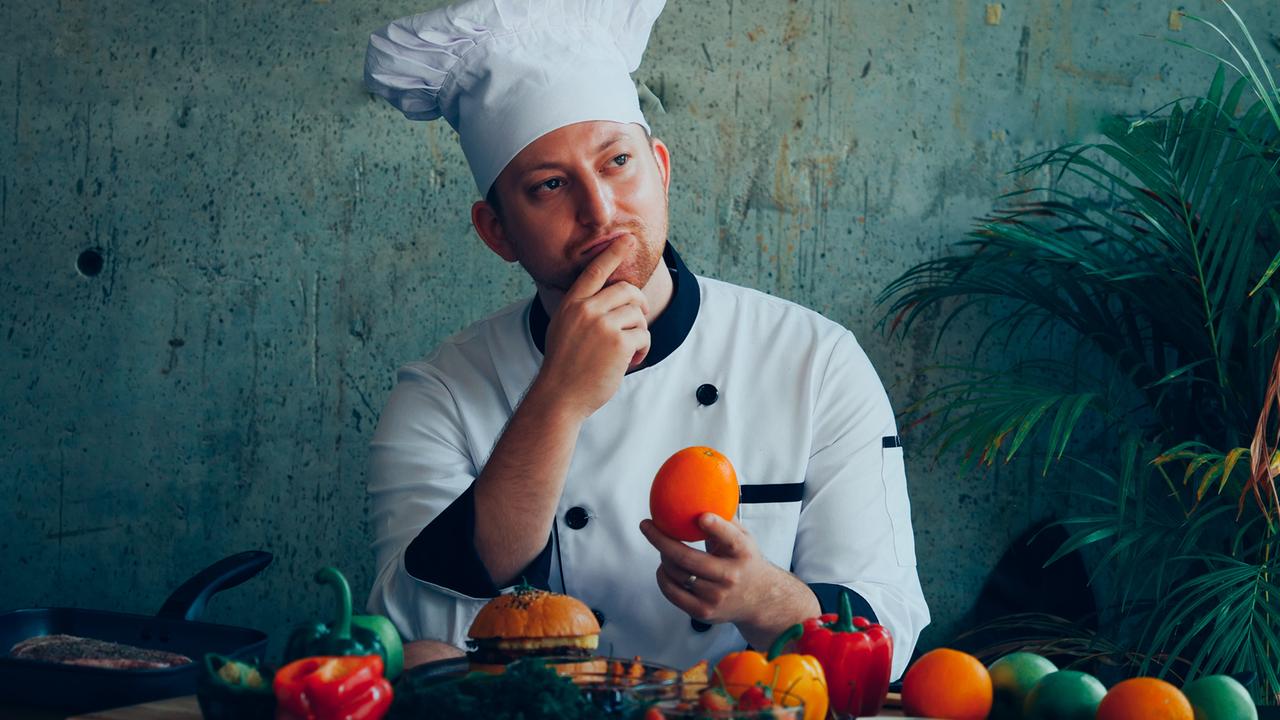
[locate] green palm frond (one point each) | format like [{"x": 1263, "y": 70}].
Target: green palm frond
[
  {"x": 1146, "y": 247},
  {"x": 1131, "y": 297},
  {"x": 1217, "y": 618},
  {"x": 1199, "y": 459},
  {"x": 1252, "y": 66},
  {"x": 1010, "y": 407},
  {"x": 1139, "y": 524},
  {"x": 1050, "y": 636}
]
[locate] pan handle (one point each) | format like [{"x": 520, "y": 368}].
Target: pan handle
[{"x": 188, "y": 601}]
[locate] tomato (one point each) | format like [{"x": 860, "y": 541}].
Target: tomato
[
  {"x": 1064, "y": 695},
  {"x": 1012, "y": 677},
  {"x": 1220, "y": 697}
]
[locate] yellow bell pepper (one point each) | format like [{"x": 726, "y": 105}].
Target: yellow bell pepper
[{"x": 798, "y": 676}]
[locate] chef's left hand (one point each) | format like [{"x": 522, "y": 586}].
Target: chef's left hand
[{"x": 732, "y": 581}]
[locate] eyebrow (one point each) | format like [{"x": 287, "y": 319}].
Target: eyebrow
[{"x": 611, "y": 140}]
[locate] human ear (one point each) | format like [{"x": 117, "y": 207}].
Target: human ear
[
  {"x": 662, "y": 156},
  {"x": 489, "y": 227}
]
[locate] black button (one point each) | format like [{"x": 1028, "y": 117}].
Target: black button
[
  {"x": 707, "y": 394},
  {"x": 698, "y": 625},
  {"x": 599, "y": 616},
  {"x": 576, "y": 518}
]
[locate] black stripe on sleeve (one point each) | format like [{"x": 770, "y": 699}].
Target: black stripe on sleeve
[
  {"x": 444, "y": 554},
  {"x": 829, "y": 599}
]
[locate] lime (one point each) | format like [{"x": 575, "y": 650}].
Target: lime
[
  {"x": 1220, "y": 697},
  {"x": 1064, "y": 695},
  {"x": 1012, "y": 677}
]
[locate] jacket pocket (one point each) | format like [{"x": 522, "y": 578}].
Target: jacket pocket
[
  {"x": 894, "y": 477},
  {"x": 773, "y": 525}
]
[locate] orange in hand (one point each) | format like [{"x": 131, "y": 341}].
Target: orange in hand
[
  {"x": 694, "y": 481},
  {"x": 1147, "y": 698},
  {"x": 947, "y": 683}
]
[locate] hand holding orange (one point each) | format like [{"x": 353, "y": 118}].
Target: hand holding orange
[{"x": 693, "y": 481}]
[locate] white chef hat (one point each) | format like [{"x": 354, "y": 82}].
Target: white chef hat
[{"x": 505, "y": 72}]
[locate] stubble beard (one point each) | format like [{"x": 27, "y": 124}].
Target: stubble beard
[{"x": 636, "y": 269}]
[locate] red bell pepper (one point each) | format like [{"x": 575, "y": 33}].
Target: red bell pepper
[
  {"x": 349, "y": 687},
  {"x": 855, "y": 654}
]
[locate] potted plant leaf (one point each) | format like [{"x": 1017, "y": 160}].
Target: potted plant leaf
[{"x": 1129, "y": 312}]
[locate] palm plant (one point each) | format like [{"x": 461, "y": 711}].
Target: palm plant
[{"x": 1134, "y": 288}]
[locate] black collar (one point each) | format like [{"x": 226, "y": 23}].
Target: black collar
[{"x": 666, "y": 333}]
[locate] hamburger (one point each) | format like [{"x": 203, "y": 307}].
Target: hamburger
[{"x": 531, "y": 623}]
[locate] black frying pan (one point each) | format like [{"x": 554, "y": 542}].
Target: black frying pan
[{"x": 174, "y": 629}]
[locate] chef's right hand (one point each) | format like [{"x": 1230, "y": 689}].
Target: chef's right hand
[{"x": 597, "y": 334}]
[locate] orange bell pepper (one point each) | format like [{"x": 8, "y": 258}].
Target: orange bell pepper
[{"x": 799, "y": 676}]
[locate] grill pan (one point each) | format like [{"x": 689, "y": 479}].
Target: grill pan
[{"x": 176, "y": 628}]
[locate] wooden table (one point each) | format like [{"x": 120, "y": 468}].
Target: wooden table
[
  {"x": 180, "y": 708},
  {"x": 185, "y": 708}
]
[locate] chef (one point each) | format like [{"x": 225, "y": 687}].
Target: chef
[{"x": 523, "y": 448}]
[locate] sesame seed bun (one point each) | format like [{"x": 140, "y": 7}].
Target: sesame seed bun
[
  {"x": 529, "y": 613},
  {"x": 531, "y": 623}
]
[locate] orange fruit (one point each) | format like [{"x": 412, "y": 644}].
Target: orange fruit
[
  {"x": 694, "y": 481},
  {"x": 1145, "y": 698},
  {"x": 947, "y": 683}
]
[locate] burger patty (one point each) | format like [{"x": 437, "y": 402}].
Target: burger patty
[
  {"x": 590, "y": 642},
  {"x": 490, "y": 653}
]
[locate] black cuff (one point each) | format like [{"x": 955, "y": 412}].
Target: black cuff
[
  {"x": 444, "y": 554},
  {"x": 829, "y": 599}
]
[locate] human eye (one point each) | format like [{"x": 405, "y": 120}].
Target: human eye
[
  {"x": 548, "y": 185},
  {"x": 622, "y": 159}
]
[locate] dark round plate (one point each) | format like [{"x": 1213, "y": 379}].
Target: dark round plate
[
  {"x": 442, "y": 669},
  {"x": 458, "y": 667}
]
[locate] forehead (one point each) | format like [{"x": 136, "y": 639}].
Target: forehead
[{"x": 573, "y": 142}]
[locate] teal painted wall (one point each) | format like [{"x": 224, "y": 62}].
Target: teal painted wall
[{"x": 275, "y": 242}]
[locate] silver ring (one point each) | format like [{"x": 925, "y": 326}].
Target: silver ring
[{"x": 688, "y": 584}]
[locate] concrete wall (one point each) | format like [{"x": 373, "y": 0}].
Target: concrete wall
[{"x": 274, "y": 242}]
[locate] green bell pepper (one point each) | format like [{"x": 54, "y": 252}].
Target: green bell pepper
[
  {"x": 348, "y": 634},
  {"x": 232, "y": 690}
]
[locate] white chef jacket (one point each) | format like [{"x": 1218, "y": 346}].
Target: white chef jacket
[{"x": 787, "y": 395}]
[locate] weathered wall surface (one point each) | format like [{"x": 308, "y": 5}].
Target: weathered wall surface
[{"x": 274, "y": 242}]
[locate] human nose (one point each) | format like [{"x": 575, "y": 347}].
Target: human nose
[{"x": 595, "y": 203}]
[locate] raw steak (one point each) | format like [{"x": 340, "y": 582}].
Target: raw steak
[{"x": 72, "y": 650}]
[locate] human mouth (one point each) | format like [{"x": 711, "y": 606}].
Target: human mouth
[{"x": 594, "y": 247}]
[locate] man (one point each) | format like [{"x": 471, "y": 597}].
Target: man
[{"x": 523, "y": 447}]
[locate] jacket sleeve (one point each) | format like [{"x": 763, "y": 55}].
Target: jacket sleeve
[
  {"x": 855, "y": 522},
  {"x": 429, "y": 580}
]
